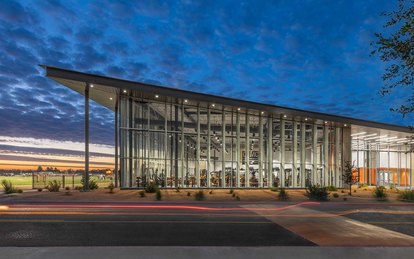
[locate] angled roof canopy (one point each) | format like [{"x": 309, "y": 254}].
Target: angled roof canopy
[{"x": 107, "y": 88}]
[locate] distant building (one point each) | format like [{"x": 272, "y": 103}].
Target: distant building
[{"x": 179, "y": 138}]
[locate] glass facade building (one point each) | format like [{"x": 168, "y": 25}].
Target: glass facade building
[{"x": 184, "y": 139}]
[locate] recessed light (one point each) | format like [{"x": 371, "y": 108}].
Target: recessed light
[
  {"x": 306, "y": 119},
  {"x": 156, "y": 96},
  {"x": 110, "y": 98},
  {"x": 125, "y": 91},
  {"x": 326, "y": 122},
  {"x": 213, "y": 105},
  {"x": 238, "y": 109},
  {"x": 284, "y": 116},
  {"x": 345, "y": 125},
  {"x": 92, "y": 85},
  {"x": 185, "y": 100},
  {"x": 262, "y": 112}
]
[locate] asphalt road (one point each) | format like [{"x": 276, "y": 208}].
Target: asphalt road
[{"x": 68, "y": 225}]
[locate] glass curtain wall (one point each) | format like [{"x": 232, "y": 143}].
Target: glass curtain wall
[
  {"x": 182, "y": 144},
  {"x": 386, "y": 164}
]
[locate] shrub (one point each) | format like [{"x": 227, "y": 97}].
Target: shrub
[
  {"x": 67, "y": 190},
  {"x": 234, "y": 194},
  {"x": 151, "y": 188},
  {"x": 332, "y": 188},
  {"x": 78, "y": 188},
  {"x": 380, "y": 193},
  {"x": 407, "y": 195},
  {"x": 158, "y": 195},
  {"x": 237, "y": 197},
  {"x": 345, "y": 198},
  {"x": 8, "y": 186},
  {"x": 188, "y": 193},
  {"x": 93, "y": 185},
  {"x": 210, "y": 192},
  {"x": 199, "y": 196},
  {"x": 20, "y": 191},
  {"x": 53, "y": 186},
  {"x": 141, "y": 194},
  {"x": 231, "y": 191},
  {"x": 39, "y": 189},
  {"x": 336, "y": 195},
  {"x": 274, "y": 189},
  {"x": 283, "y": 195},
  {"x": 364, "y": 185},
  {"x": 342, "y": 191},
  {"x": 318, "y": 193},
  {"x": 177, "y": 189},
  {"x": 111, "y": 187},
  {"x": 354, "y": 190}
]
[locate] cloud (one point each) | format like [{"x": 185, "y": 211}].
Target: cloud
[{"x": 303, "y": 54}]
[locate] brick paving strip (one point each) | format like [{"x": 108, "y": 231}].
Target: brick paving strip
[{"x": 329, "y": 229}]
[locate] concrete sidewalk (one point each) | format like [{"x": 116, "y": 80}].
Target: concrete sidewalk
[
  {"x": 329, "y": 229},
  {"x": 206, "y": 252}
]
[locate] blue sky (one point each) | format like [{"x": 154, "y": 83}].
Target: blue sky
[{"x": 310, "y": 55}]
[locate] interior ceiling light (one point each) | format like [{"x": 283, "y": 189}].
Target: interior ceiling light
[
  {"x": 110, "y": 98},
  {"x": 262, "y": 112},
  {"x": 371, "y": 138},
  {"x": 357, "y": 134},
  {"x": 125, "y": 91},
  {"x": 284, "y": 116},
  {"x": 92, "y": 85},
  {"x": 156, "y": 96},
  {"x": 370, "y": 135},
  {"x": 238, "y": 109},
  {"x": 345, "y": 125},
  {"x": 213, "y": 105},
  {"x": 185, "y": 100},
  {"x": 306, "y": 119}
]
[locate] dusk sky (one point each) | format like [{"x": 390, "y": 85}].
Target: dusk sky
[{"x": 311, "y": 55}]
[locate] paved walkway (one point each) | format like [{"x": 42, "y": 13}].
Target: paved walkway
[
  {"x": 328, "y": 229},
  {"x": 206, "y": 252}
]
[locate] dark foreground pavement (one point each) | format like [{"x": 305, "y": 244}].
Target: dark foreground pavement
[
  {"x": 284, "y": 252},
  {"x": 71, "y": 225}
]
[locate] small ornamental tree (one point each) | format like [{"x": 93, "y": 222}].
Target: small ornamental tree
[{"x": 348, "y": 175}]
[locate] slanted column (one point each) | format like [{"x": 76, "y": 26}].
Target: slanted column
[
  {"x": 260, "y": 184},
  {"x": 295, "y": 154},
  {"x": 282, "y": 152},
  {"x": 197, "y": 165},
  {"x": 223, "y": 149},
  {"x": 269, "y": 152},
  {"x": 86, "y": 173},
  {"x": 237, "y": 150},
  {"x": 315, "y": 173},
  {"x": 302, "y": 155},
  {"x": 325, "y": 155},
  {"x": 247, "y": 153}
]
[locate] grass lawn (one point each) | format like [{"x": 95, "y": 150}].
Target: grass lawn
[{"x": 25, "y": 182}]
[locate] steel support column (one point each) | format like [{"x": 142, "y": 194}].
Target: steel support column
[
  {"x": 295, "y": 154},
  {"x": 302, "y": 155},
  {"x": 86, "y": 173},
  {"x": 247, "y": 151},
  {"x": 282, "y": 153},
  {"x": 116, "y": 140}
]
